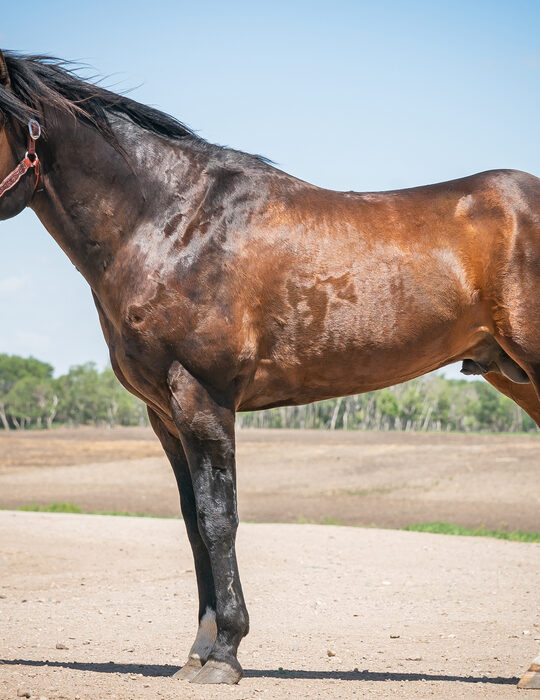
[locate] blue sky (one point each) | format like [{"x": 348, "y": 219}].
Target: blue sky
[{"x": 348, "y": 95}]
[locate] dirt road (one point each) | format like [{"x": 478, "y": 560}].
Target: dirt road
[
  {"x": 356, "y": 478},
  {"x": 336, "y": 612}
]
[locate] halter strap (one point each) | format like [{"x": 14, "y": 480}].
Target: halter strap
[{"x": 29, "y": 161}]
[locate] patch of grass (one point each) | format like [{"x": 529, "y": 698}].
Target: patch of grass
[
  {"x": 52, "y": 508},
  {"x": 438, "y": 528},
  {"x": 369, "y": 492},
  {"x": 450, "y": 529},
  {"x": 72, "y": 508},
  {"x": 327, "y": 520}
]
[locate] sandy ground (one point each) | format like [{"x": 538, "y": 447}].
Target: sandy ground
[
  {"x": 356, "y": 478},
  {"x": 406, "y": 615}
]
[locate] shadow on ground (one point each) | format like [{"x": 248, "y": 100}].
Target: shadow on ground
[{"x": 157, "y": 670}]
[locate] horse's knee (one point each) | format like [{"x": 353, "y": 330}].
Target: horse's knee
[{"x": 217, "y": 521}]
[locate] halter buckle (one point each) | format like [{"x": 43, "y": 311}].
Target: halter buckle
[{"x": 34, "y": 129}]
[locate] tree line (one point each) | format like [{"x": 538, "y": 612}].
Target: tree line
[
  {"x": 31, "y": 397},
  {"x": 427, "y": 403}
]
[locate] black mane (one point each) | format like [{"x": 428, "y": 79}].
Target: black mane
[{"x": 40, "y": 83}]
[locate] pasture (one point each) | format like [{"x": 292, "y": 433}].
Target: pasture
[
  {"x": 336, "y": 611},
  {"x": 383, "y": 479}
]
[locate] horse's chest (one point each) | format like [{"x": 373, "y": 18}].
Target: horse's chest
[
  {"x": 141, "y": 372},
  {"x": 140, "y": 353}
]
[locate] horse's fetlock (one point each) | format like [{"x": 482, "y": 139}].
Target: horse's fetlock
[{"x": 233, "y": 622}]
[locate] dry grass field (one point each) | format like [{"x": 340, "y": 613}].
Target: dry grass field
[{"x": 355, "y": 478}]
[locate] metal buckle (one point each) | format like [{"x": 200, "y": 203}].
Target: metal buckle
[{"x": 34, "y": 129}]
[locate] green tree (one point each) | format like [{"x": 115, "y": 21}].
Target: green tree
[
  {"x": 120, "y": 407},
  {"x": 79, "y": 395},
  {"x": 13, "y": 369},
  {"x": 32, "y": 400},
  {"x": 88, "y": 396}
]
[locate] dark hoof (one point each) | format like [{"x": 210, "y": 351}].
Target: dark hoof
[
  {"x": 218, "y": 672},
  {"x": 189, "y": 670}
]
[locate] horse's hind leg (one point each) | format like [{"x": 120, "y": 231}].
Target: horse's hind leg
[
  {"x": 523, "y": 394},
  {"x": 205, "y": 424},
  {"x": 526, "y": 396},
  {"x": 207, "y": 631}
]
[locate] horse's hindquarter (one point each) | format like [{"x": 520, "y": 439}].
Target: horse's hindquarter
[{"x": 367, "y": 290}]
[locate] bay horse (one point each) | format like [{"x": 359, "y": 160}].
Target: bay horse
[{"x": 223, "y": 284}]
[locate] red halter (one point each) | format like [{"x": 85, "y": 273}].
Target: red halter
[{"x": 30, "y": 160}]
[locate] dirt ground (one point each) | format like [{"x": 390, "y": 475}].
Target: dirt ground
[
  {"x": 355, "y": 478},
  {"x": 103, "y": 608},
  {"x": 336, "y": 612}
]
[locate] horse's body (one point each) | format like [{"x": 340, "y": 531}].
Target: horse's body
[
  {"x": 224, "y": 284},
  {"x": 299, "y": 294}
]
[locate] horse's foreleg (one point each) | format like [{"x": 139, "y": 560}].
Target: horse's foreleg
[
  {"x": 207, "y": 631},
  {"x": 206, "y": 428}
]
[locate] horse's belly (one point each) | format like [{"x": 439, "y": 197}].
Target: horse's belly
[{"x": 354, "y": 354}]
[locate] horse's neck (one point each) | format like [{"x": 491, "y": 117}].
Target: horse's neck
[{"x": 91, "y": 197}]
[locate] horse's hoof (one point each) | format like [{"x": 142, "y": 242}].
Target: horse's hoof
[
  {"x": 189, "y": 670},
  {"x": 531, "y": 679},
  {"x": 218, "y": 672}
]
